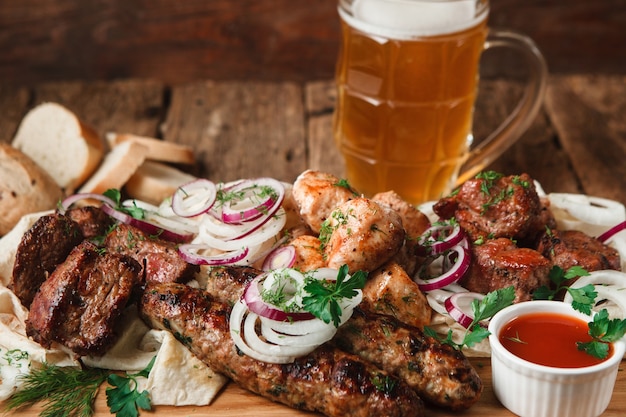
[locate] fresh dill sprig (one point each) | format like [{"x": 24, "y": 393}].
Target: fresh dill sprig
[{"x": 64, "y": 391}]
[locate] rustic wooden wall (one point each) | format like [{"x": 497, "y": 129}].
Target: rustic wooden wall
[{"x": 177, "y": 41}]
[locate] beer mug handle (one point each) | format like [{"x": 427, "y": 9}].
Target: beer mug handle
[{"x": 522, "y": 116}]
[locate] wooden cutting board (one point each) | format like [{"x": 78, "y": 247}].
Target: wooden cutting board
[{"x": 235, "y": 402}]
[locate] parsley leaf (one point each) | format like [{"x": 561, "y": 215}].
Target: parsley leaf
[
  {"x": 323, "y": 299},
  {"x": 603, "y": 331},
  {"x": 484, "y": 309},
  {"x": 125, "y": 400},
  {"x": 134, "y": 211},
  {"x": 582, "y": 298}
]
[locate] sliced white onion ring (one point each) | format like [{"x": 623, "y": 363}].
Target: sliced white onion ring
[
  {"x": 459, "y": 307},
  {"x": 609, "y": 284},
  {"x": 194, "y": 198},
  {"x": 251, "y": 199}
]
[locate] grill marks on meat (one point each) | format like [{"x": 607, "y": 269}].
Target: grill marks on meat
[
  {"x": 567, "y": 248},
  {"x": 440, "y": 374},
  {"x": 436, "y": 372},
  {"x": 81, "y": 302},
  {"x": 499, "y": 263},
  {"x": 159, "y": 258},
  {"x": 42, "y": 248},
  {"x": 328, "y": 380}
]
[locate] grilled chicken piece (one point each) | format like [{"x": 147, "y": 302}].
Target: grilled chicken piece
[
  {"x": 81, "y": 302},
  {"x": 363, "y": 235},
  {"x": 499, "y": 263},
  {"x": 439, "y": 374},
  {"x": 308, "y": 253},
  {"x": 46, "y": 244},
  {"x": 567, "y": 248},
  {"x": 159, "y": 257},
  {"x": 492, "y": 205},
  {"x": 414, "y": 222},
  {"x": 390, "y": 291},
  {"x": 317, "y": 194},
  {"x": 327, "y": 380}
]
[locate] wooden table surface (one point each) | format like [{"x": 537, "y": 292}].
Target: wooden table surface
[{"x": 244, "y": 129}]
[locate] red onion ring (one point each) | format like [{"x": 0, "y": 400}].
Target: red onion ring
[
  {"x": 252, "y": 209},
  {"x": 145, "y": 226},
  {"x": 459, "y": 307},
  {"x": 257, "y": 305},
  {"x": 189, "y": 253},
  {"x": 430, "y": 242},
  {"x": 456, "y": 271},
  {"x": 612, "y": 232},
  {"x": 194, "y": 198},
  {"x": 281, "y": 257},
  {"x": 68, "y": 201}
]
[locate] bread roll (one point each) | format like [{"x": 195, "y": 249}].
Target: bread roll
[
  {"x": 59, "y": 143},
  {"x": 24, "y": 187}
]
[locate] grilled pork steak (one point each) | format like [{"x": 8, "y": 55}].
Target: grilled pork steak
[
  {"x": 328, "y": 380},
  {"x": 44, "y": 246},
  {"x": 159, "y": 257},
  {"x": 438, "y": 373},
  {"x": 499, "y": 263},
  {"x": 567, "y": 248},
  {"x": 80, "y": 303}
]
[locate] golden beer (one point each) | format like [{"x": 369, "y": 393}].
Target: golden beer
[{"x": 403, "y": 119}]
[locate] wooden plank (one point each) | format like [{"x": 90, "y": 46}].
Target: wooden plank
[
  {"x": 240, "y": 130},
  {"x": 589, "y": 115},
  {"x": 236, "y": 402},
  {"x": 129, "y": 106},
  {"x": 13, "y": 106}
]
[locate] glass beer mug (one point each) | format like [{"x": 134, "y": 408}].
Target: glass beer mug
[{"x": 407, "y": 79}]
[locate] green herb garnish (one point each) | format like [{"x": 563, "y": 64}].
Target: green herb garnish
[
  {"x": 583, "y": 298},
  {"x": 484, "y": 309},
  {"x": 125, "y": 400},
  {"x": 603, "y": 331},
  {"x": 134, "y": 211},
  {"x": 324, "y": 296},
  {"x": 64, "y": 391}
]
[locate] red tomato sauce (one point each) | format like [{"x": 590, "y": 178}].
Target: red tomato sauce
[{"x": 548, "y": 339}]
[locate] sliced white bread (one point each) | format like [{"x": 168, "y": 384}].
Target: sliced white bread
[
  {"x": 24, "y": 187},
  {"x": 158, "y": 150},
  {"x": 60, "y": 143},
  {"x": 119, "y": 164},
  {"x": 154, "y": 181}
]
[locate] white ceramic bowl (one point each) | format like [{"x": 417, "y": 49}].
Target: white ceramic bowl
[{"x": 532, "y": 390}]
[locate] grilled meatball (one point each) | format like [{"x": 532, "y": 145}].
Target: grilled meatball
[
  {"x": 159, "y": 257},
  {"x": 363, "y": 235},
  {"x": 46, "y": 244},
  {"x": 81, "y": 302},
  {"x": 438, "y": 373},
  {"x": 491, "y": 206},
  {"x": 317, "y": 194},
  {"x": 499, "y": 263},
  {"x": 566, "y": 248},
  {"x": 328, "y": 380}
]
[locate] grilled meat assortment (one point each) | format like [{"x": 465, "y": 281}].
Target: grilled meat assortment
[
  {"x": 81, "y": 302},
  {"x": 328, "y": 380},
  {"x": 439, "y": 374}
]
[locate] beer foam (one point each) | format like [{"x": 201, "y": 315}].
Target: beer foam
[{"x": 406, "y": 19}]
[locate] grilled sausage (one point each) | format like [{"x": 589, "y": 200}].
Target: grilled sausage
[
  {"x": 328, "y": 380},
  {"x": 438, "y": 373}
]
